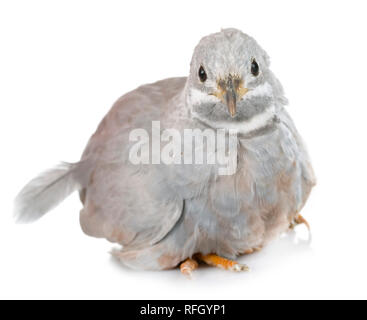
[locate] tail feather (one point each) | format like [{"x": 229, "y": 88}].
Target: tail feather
[{"x": 45, "y": 192}]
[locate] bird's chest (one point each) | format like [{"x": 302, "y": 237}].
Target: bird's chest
[
  {"x": 264, "y": 174},
  {"x": 254, "y": 203}
]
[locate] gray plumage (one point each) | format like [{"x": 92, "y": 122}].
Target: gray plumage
[{"x": 162, "y": 214}]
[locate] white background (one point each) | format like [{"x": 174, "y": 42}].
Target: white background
[{"x": 63, "y": 64}]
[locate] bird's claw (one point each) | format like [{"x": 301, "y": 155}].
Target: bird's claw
[
  {"x": 188, "y": 266},
  {"x": 299, "y": 220},
  {"x": 239, "y": 268}
]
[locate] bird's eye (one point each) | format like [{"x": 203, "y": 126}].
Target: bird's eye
[
  {"x": 202, "y": 74},
  {"x": 254, "y": 68}
]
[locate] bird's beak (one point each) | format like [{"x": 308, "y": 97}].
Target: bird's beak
[
  {"x": 230, "y": 97},
  {"x": 230, "y": 90}
]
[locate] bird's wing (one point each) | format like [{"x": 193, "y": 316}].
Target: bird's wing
[
  {"x": 126, "y": 203},
  {"x": 131, "y": 207}
]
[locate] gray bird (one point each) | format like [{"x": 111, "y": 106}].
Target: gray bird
[{"x": 168, "y": 215}]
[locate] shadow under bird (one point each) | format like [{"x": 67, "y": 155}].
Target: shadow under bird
[{"x": 165, "y": 216}]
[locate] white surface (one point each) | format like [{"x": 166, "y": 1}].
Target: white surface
[{"x": 63, "y": 64}]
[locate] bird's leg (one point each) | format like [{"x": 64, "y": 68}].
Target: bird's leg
[
  {"x": 300, "y": 220},
  {"x": 219, "y": 262},
  {"x": 188, "y": 266}
]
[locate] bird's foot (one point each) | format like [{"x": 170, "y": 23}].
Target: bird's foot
[
  {"x": 223, "y": 263},
  {"x": 299, "y": 220},
  {"x": 188, "y": 266},
  {"x": 252, "y": 250}
]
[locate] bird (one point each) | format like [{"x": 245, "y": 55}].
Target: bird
[{"x": 180, "y": 215}]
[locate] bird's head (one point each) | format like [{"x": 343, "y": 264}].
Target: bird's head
[{"x": 230, "y": 82}]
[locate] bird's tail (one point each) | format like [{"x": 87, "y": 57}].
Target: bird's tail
[{"x": 47, "y": 190}]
